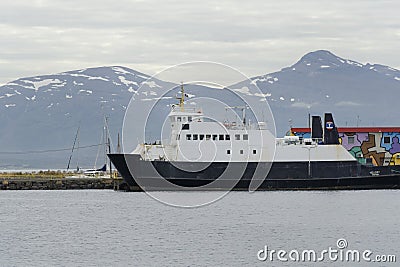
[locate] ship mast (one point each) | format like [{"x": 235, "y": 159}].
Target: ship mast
[{"x": 182, "y": 98}]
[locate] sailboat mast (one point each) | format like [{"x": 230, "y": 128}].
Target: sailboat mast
[
  {"x": 77, "y": 153},
  {"x": 105, "y": 139},
  {"x": 109, "y": 151},
  {"x": 107, "y": 136},
  {"x": 119, "y": 145},
  {"x": 73, "y": 147}
]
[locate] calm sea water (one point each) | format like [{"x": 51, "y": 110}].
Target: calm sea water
[{"x": 107, "y": 228}]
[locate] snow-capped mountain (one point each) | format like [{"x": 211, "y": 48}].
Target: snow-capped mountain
[
  {"x": 363, "y": 94},
  {"x": 44, "y": 112}
]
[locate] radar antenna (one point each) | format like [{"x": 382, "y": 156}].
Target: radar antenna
[{"x": 243, "y": 109}]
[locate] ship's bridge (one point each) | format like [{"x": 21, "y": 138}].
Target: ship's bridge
[{"x": 182, "y": 115}]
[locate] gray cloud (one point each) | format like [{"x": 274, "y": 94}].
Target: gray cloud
[{"x": 48, "y": 36}]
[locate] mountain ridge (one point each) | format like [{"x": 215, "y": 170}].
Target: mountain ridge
[{"x": 44, "y": 112}]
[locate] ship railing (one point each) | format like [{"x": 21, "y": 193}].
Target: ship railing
[
  {"x": 234, "y": 125},
  {"x": 186, "y": 109},
  {"x": 287, "y": 140},
  {"x": 154, "y": 143}
]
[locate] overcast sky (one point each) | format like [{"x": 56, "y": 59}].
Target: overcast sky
[{"x": 256, "y": 37}]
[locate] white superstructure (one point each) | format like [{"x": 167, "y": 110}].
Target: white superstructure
[{"x": 196, "y": 139}]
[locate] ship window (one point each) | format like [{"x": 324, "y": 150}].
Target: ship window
[
  {"x": 195, "y": 137},
  {"x": 245, "y": 137},
  {"x": 228, "y": 151},
  {"x": 179, "y": 119},
  {"x": 208, "y": 136},
  {"x": 188, "y": 137},
  {"x": 178, "y": 137},
  {"x": 221, "y": 137},
  {"x": 227, "y": 137},
  {"x": 237, "y": 136},
  {"x": 185, "y": 126},
  {"x": 386, "y": 139},
  {"x": 189, "y": 118},
  {"x": 254, "y": 151},
  {"x": 215, "y": 136},
  {"x": 183, "y": 118},
  {"x": 351, "y": 139},
  {"x": 201, "y": 136},
  {"x": 241, "y": 151}
]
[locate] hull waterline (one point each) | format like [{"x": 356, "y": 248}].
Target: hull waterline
[{"x": 145, "y": 175}]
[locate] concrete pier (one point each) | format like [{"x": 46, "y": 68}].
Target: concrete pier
[{"x": 51, "y": 183}]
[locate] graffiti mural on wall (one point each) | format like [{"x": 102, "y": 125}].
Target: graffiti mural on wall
[{"x": 381, "y": 148}]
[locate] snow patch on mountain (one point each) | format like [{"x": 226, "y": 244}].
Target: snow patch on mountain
[
  {"x": 127, "y": 82},
  {"x": 151, "y": 84},
  {"x": 263, "y": 95},
  {"x": 39, "y": 84},
  {"x": 266, "y": 78},
  {"x": 350, "y": 62},
  {"x": 88, "y": 77},
  {"x": 119, "y": 70},
  {"x": 26, "y": 85},
  {"x": 11, "y": 84},
  {"x": 341, "y": 60},
  {"x": 143, "y": 77},
  {"x": 76, "y": 83},
  {"x": 55, "y": 85},
  {"x": 85, "y": 91},
  {"x": 244, "y": 90}
]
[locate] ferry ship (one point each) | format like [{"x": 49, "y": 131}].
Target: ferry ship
[{"x": 209, "y": 155}]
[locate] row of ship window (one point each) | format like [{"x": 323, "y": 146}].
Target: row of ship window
[
  {"x": 240, "y": 151},
  {"x": 180, "y": 119},
  {"x": 216, "y": 137}
]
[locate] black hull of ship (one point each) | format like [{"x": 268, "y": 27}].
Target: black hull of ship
[{"x": 339, "y": 175}]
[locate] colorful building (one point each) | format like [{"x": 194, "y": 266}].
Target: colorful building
[{"x": 378, "y": 145}]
